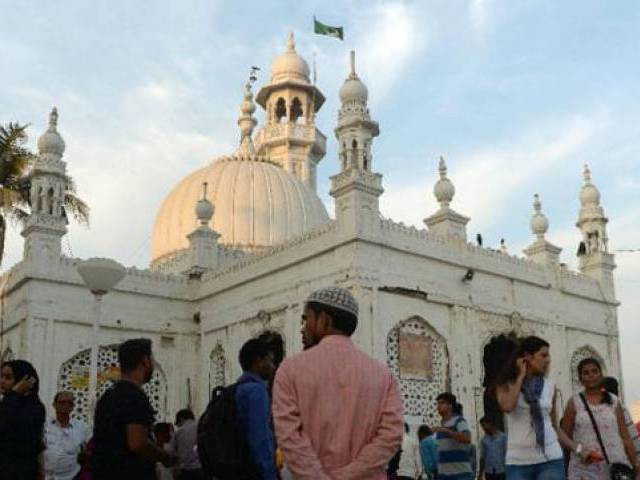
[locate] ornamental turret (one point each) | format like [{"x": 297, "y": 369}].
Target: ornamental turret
[
  {"x": 47, "y": 222},
  {"x": 446, "y": 222},
  {"x": 541, "y": 251},
  {"x": 593, "y": 252},
  {"x": 356, "y": 188},
  {"x": 289, "y": 136}
]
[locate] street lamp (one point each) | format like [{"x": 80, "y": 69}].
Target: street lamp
[{"x": 100, "y": 275}]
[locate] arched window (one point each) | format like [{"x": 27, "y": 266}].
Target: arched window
[
  {"x": 579, "y": 355},
  {"x": 354, "y": 144},
  {"x": 50, "y": 195},
  {"x": 40, "y": 200},
  {"x": 281, "y": 109},
  {"x": 296, "y": 110},
  {"x": 417, "y": 356},
  {"x": 74, "y": 377}
]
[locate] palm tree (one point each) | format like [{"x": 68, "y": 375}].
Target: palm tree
[{"x": 16, "y": 162}]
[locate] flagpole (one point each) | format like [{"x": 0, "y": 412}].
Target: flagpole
[{"x": 315, "y": 78}]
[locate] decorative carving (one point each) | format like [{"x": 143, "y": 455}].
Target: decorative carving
[
  {"x": 217, "y": 368},
  {"x": 419, "y": 394},
  {"x": 74, "y": 377}
]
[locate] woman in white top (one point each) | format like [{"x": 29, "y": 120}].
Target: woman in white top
[
  {"x": 528, "y": 399},
  {"x": 607, "y": 413},
  {"x": 410, "y": 466}
]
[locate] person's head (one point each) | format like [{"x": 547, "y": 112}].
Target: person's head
[
  {"x": 328, "y": 311},
  {"x": 13, "y": 371},
  {"x": 255, "y": 356},
  {"x": 184, "y": 415},
  {"x": 423, "y": 432},
  {"x": 610, "y": 384},
  {"x": 487, "y": 425},
  {"x": 135, "y": 357},
  {"x": 535, "y": 351},
  {"x": 162, "y": 431},
  {"x": 447, "y": 405},
  {"x": 590, "y": 373},
  {"x": 63, "y": 403}
]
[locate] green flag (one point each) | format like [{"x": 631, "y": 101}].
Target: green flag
[{"x": 322, "y": 29}]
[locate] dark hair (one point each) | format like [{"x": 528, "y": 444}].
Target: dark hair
[
  {"x": 162, "y": 428},
  {"x": 21, "y": 369},
  {"x": 528, "y": 345},
  {"x": 451, "y": 399},
  {"x": 62, "y": 392},
  {"x": 610, "y": 384},
  {"x": 132, "y": 352},
  {"x": 251, "y": 351},
  {"x": 587, "y": 361},
  {"x": 341, "y": 320},
  {"x": 486, "y": 420},
  {"x": 184, "y": 414},
  {"x": 424, "y": 431}
]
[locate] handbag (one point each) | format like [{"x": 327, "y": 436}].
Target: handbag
[{"x": 617, "y": 471}]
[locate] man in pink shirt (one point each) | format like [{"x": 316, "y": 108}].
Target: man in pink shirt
[{"x": 337, "y": 412}]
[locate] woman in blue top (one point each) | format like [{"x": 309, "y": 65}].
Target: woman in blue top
[
  {"x": 428, "y": 451},
  {"x": 453, "y": 438}
]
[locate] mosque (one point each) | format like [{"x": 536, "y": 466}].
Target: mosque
[{"x": 239, "y": 244}]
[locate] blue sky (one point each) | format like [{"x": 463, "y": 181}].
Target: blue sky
[{"x": 517, "y": 95}]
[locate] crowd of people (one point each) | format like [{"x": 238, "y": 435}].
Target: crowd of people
[{"x": 330, "y": 412}]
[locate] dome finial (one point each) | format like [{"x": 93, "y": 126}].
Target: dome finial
[
  {"x": 539, "y": 222},
  {"x": 587, "y": 174},
  {"x": 443, "y": 189},
  {"x": 246, "y": 122},
  {"x": 204, "y": 208},
  {"x": 51, "y": 142},
  {"x": 291, "y": 42},
  {"x": 353, "y": 65}
]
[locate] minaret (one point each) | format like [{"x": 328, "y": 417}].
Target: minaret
[
  {"x": 203, "y": 241},
  {"x": 594, "y": 257},
  {"x": 356, "y": 188},
  {"x": 541, "y": 251},
  {"x": 290, "y": 137},
  {"x": 446, "y": 222},
  {"x": 247, "y": 123},
  {"x": 47, "y": 223}
]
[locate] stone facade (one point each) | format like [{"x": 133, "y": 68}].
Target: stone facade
[{"x": 426, "y": 283}]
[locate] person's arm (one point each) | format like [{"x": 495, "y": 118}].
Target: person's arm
[
  {"x": 482, "y": 461},
  {"x": 253, "y": 409},
  {"x": 417, "y": 459},
  {"x": 139, "y": 443},
  {"x": 299, "y": 455},
  {"x": 569, "y": 417},
  {"x": 386, "y": 442},
  {"x": 626, "y": 440},
  {"x": 507, "y": 394},
  {"x": 458, "y": 436}
]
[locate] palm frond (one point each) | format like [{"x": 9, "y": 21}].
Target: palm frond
[
  {"x": 76, "y": 207},
  {"x": 15, "y": 157}
]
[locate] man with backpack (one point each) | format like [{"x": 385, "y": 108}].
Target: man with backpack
[
  {"x": 235, "y": 439},
  {"x": 337, "y": 411}
]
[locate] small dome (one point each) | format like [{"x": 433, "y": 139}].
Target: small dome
[
  {"x": 51, "y": 141},
  {"x": 353, "y": 90},
  {"x": 204, "y": 211},
  {"x": 257, "y": 205},
  {"x": 539, "y": 222},
  {"x": 290, "y": 65},
  {"x": 589, "y": 193}
]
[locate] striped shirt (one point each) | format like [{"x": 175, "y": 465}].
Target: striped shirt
[{"x": 454, "y": 460}]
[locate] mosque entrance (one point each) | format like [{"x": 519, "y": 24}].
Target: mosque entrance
[{"x": 496, "y": 354}]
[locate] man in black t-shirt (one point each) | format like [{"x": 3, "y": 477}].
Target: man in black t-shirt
[{"x": 123, "y": 419}]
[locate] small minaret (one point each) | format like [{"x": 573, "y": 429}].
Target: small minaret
[
  {"x": 289, "y": 136},
  {"x": 247, "y": 123},
  {"x": 203, "y": 241},
  {"x": 446, "y": 222},
  {"x": 594, "y": 257},
  {"x": 356, "y": 188},
  {"x": 541, "y": 251},
  {"x": 47, "y": 223}
]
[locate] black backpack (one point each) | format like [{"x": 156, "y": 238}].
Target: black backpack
[{"x": 222, "y": 444}]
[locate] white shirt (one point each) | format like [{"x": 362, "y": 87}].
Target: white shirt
[
  {"x": 522, "y": 448},
  {"x": 62, "y": 448},
  {"x": 410, "y": 462}
]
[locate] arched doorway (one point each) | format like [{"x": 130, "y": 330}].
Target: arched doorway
[{"x": 496, "y": 354}]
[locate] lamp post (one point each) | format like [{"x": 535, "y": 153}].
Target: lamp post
[{"x": 100, "y": 275}]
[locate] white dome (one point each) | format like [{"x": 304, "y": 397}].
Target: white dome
[
  {"x": 290, "y": 65},
  {"x": 353, "y": 90},
  {"x": 51, "y": 141},
  {"x": 257, "y": 205},
  {"x": 589, "y": 195}
]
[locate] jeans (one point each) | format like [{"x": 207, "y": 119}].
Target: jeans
[
  {"x": 553, "y": 470},
  {"x": 495, "y": 476}
]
